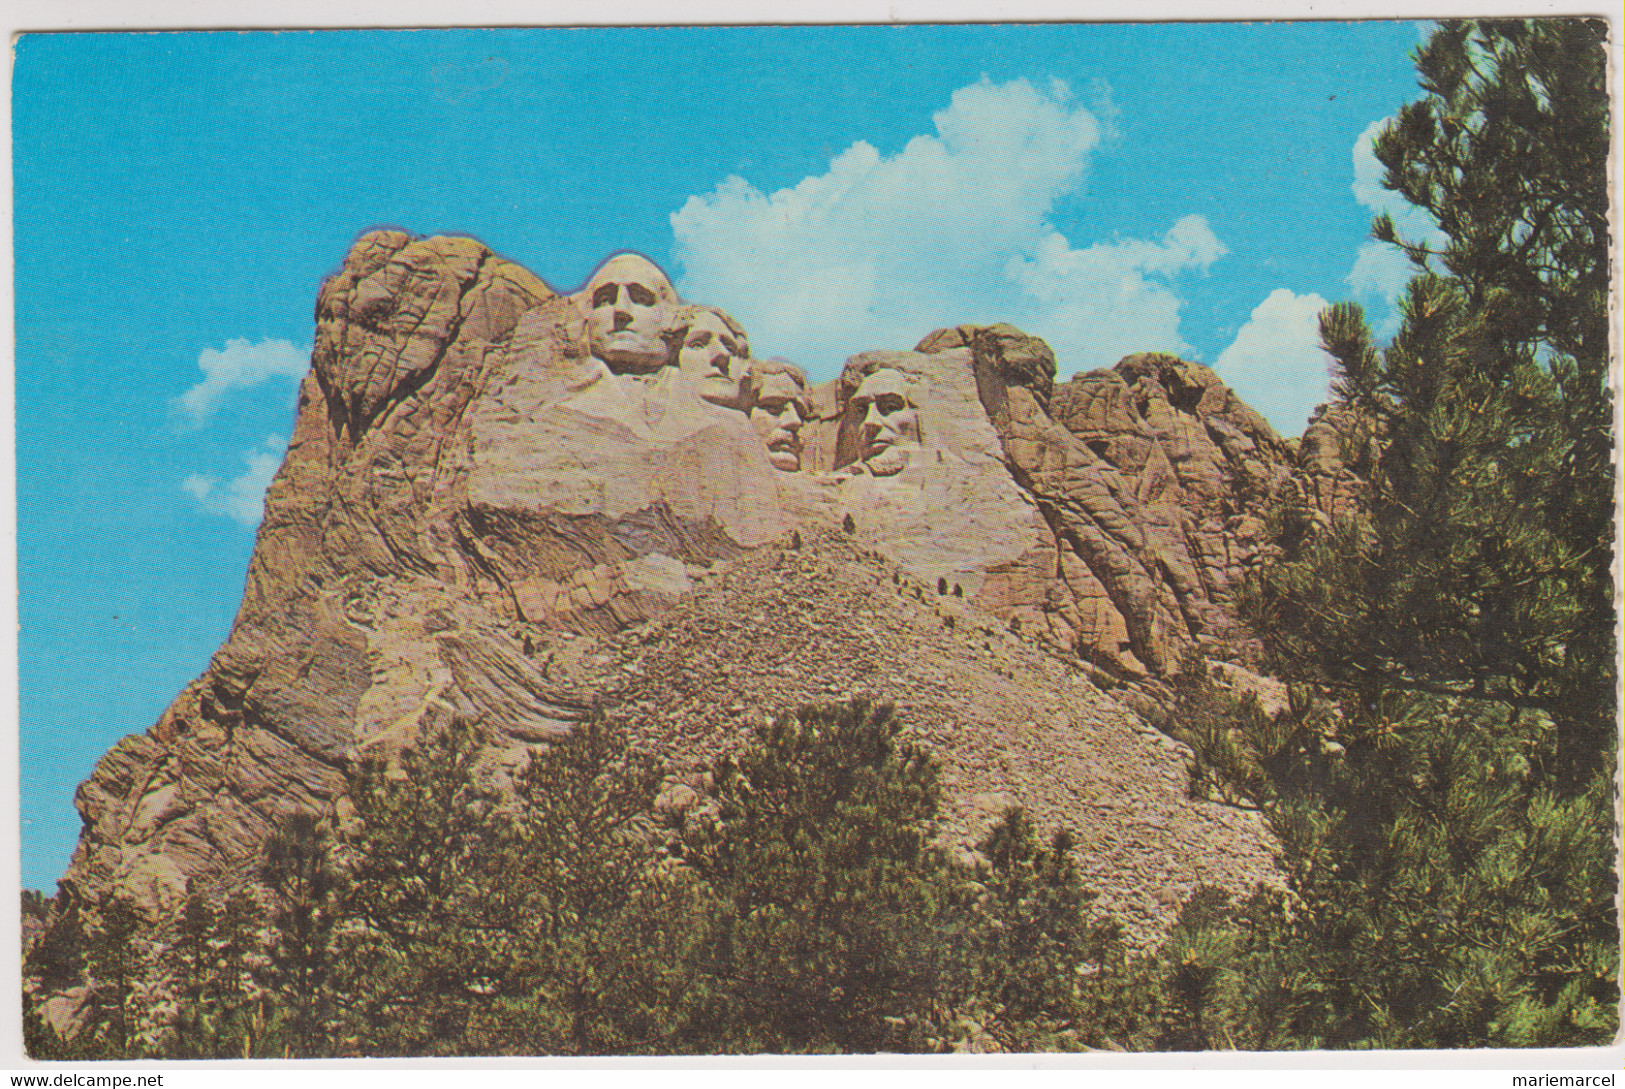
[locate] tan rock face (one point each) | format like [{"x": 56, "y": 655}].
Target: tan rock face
[
  {"x": 489, "y": 484},
  {"x": 776, "y": 392},
  {"x": 1152, "y": 478},
  {"x": 1336, "y": 449}
]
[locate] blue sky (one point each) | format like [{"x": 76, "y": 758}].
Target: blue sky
[{"x": 179, "y": 197}]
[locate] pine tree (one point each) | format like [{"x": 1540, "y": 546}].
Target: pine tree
[
  {"x": 58, "y": 957},
  {"x": 534, "y": 923},
  {"x": 189, "y": 966},
  {"x": 1449, "y": 824},
  {"x": 300, "y": 872},
  {"x": 837, "y": 924},
  {"x": 55, "y": 962},
  {"x": 1441, "y": 892},
  {"x": 428, "y": 906},
  {"x": 600, "y": 968},
  {"x": 209, "y": 969},
  {"x": 231, "y": 994},
  {"x": 1481, "y": 566},
  {"x": 1042, "y": 957},
  {"x": 810, "y": 911},
  {"x": 116, "y": 960}
]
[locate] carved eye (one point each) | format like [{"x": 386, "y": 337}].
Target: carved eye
[
  {"x": 604, "y": 296},
  {"x": 890, "y": 403},
  {"x": 699, "y": 339},
  {"x": 640, "y": 294}
]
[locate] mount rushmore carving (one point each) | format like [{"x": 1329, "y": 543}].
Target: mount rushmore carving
[{"x": 488, "y": 481}]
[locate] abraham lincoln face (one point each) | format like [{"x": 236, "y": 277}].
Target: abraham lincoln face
[{"x": 891, "y": 423}]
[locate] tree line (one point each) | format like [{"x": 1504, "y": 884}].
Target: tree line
[{"x": 805, "y": 909}]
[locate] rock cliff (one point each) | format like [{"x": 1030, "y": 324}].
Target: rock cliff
[{"x": 507, "y": 505}]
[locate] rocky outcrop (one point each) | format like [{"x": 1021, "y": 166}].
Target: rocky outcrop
[
  {"x": 1153, "y": 478},
  {"x": 1332, "y": 458},
  {"x": 505, "y": 505}
]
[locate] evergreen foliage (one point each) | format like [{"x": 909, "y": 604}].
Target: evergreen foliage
[
  {"x": 189, "y": 964},
  {"x": 807, "y": 910},
  {"x": 1043, "y": 960},
  {"x": 424, "y": 936},
  {"x": 1480, "y": 567},
  {"x": 603, "y": 963},
  {"x": 1441, "y": 892},
  {"x": 297, "y": 1007},
  {"x": 58, "y": 957},
  {"x": 835, "y": 922},
  {"x": 115, "y": 958},
  {"x": 1442, "y": 782}
]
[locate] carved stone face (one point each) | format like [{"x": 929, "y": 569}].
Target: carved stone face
[
  {"x": 891, "y": 423},
  {"x": 629, "y": 299},
  {"x": 712, "y": 360},
  {"x": 777, "y": 415}
]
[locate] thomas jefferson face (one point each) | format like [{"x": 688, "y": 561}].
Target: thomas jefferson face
[
  {"x": 629, "y": 300},
  {"x": 777, "y": 415},
  {"x": 712, "y": 360},
  {"x": 891, "y": 423}
]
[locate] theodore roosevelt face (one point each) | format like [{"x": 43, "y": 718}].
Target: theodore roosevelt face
[{"x": 779, "y": 410}]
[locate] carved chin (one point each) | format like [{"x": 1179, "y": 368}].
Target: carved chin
[
  {"x": 631, "y": 354},
  {"x": 887, "y": 460},
  {"x": 720, "y": 391}
]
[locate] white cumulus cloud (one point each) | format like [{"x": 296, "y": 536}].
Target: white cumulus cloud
[
  {"x": 240, "y": 365},
  {"x": 955, "y": 227},
  {"x": 243, "y": 497},
  {"x": 1276, "y": 363},
  {"x": 1378, "y": 277},
  {"x": 1097, "y": 304}
]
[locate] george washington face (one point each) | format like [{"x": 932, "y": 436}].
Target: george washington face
[{"x": 629, "y": 300}]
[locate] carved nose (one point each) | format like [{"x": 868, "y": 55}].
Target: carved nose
[
  {"x": 791, "y": 421},
  {"x": 623, "y": 320},
  {"x": 873, "y": 420}
]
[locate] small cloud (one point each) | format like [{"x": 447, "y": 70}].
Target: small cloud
[
  {"x": 1276, "y": 363},
  {"x": 243, "y": 497},
  {"x": 1378, "y": 277},
  {"x": 1413, "y": 223},
  {"x": 240, "y": 365}
]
